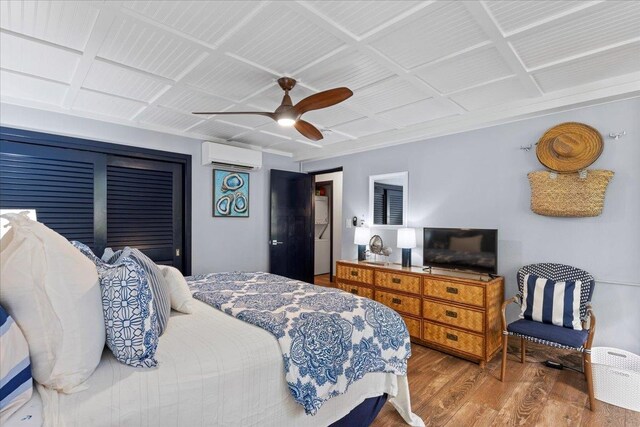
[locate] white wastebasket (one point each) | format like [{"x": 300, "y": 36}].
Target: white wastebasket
[{"x": 616, "y": 377}]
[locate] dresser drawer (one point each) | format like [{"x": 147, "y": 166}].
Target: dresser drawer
[
  {"x": 402, "y": 303},
  {"x": 398, "y": 282},
  {"x": 414, "y": 326},
  {"x": 453, "y": 315},
  {"x": 357, "y": 290},
  {"x": 455, "y": 291},
  {"x": 454, "y": 338},
  {"x": 355, "y": 274}
]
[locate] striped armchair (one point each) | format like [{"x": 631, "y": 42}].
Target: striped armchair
[{"x": 551, "y": 334}]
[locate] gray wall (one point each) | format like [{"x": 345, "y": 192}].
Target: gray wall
[
  {"x": 219, "y": 244},
  {"x": 478, "y": 179}
]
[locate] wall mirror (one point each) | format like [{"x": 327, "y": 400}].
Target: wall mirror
[{"x": 388, "y": 196}]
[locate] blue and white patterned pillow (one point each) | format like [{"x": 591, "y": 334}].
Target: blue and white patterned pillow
[
  {"x": 131, "y": 322},
  {"x": 159, "y": 286},
  {"x": 16, "y": 384},
  {"x": 554, "y": 303}
]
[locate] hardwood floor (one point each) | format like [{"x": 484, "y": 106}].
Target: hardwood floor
[
  {"x": 447, "y": 391},
  {"x": 323, "y": 280}
]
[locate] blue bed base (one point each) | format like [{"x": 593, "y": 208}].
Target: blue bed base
[{"x": 363, "y": 414}]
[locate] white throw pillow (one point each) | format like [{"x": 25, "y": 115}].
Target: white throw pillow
[
  {"x": 52, "y": 292},
  {"x": 181, "y": 298}
]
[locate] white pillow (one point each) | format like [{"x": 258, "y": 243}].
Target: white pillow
[
  {"x": 181, "y": 298},
  {"x": 53, "y": 294}
]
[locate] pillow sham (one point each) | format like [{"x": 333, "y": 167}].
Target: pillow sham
[
  {"x": 53, "y": 294},
  {"x": 159, "y": 287},
  {"x": 554, "y": 303},
  {"x": 130, "y": 320},
  {"x": 16, "y": 384},
  {"x": 179, "y": 294}
]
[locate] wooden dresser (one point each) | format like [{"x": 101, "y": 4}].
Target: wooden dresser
[{"x": 457, "y": 313}]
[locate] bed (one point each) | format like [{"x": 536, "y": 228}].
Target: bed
[{"x": 214, "y": 370}]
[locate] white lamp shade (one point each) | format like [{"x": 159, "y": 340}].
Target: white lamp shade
[
  {"x": 362, "y": 236},
  {"x": 31, "y": 214},
  {"x": 406, "y": 238}
]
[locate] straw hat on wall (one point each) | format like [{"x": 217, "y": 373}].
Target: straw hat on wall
[{"x": 569, "y": 147}]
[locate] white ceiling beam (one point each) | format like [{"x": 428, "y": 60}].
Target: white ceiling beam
[
  {"x": 351, "y": 41},
  {"x": 610, "y": 90},
  {"x": 583, "y": 54},
  {"x": 317, "y": 17},
  {"x": 98, "y": 34},
  {"x": 578, "y": 6},
  {"x": 485, "y": 19}
]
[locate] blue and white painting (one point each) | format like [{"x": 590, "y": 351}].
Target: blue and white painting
[{"x": 230, "y": 194}]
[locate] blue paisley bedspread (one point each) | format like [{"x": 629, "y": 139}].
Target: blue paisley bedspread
[{"x": 329, "y": 338}]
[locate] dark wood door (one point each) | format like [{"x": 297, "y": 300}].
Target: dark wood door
[{"x": 291, "y": 234}]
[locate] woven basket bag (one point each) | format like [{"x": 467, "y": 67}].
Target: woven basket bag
[{"x": 568, "y": 195}]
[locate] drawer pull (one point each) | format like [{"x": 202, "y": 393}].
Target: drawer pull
[
  {"x": 452, "y": 290},
  {"x": 354, "y": 291},
  {"x": 450, "y": 313},
  {"x": 452, "y": 337},
  {"x": 354, "y": 273},
  {"x": 396, "y": 300},
  {"x": 395, "y": 280}
]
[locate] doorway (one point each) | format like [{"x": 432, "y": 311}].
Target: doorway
[
  {"x": 327, "y": 225},
  {"x": 323, "y": 232}
]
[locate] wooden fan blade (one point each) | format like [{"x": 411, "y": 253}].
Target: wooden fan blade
[
  {"x": 308, "y": 130},
  {"x": 260, "y": 113},
  {"x": 323, "y": 100}
]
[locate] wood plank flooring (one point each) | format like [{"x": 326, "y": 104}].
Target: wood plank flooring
[
  {"x": 323, "y": 280},
  {"x": 447, "y": 391}
]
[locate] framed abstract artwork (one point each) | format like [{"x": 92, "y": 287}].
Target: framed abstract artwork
[{"x": 230, "y": 194}]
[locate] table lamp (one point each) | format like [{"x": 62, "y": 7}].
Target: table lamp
[
  {"x": 361, "y": 239},
  {"x": 406, "y": 241}
]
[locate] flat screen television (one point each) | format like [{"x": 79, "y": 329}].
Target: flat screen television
[{"x": 464, "y": 249}]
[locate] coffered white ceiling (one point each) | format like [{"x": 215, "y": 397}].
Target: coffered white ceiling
[{"x": 417, "y": 69}]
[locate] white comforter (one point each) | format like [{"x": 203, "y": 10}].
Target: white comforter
[{"x": 214, "y": 370}]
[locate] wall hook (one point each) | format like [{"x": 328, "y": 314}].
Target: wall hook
[{"x": 618, "y": 135}]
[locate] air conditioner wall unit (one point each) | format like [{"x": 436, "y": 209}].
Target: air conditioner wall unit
[{"x": 228, "y": 156}]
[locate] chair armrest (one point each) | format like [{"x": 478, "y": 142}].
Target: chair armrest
[
  {"x": 516, "y": 300},
  {"x": 591, "y": 318}
]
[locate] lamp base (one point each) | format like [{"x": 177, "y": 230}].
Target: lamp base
[
  {"x": 406, "y": 257},
  {"x": 362, "y": 252}
]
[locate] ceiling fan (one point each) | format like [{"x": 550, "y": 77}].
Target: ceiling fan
[{"x": 288, "y": 114}]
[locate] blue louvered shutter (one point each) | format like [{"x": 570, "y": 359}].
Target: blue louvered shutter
[
  {"x": 394, "y": 206},
  {"x": 144, "y": 208},
  {"x": 59, "y": 183}
]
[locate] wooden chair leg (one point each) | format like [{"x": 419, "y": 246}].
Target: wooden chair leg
[
  {"x": 586, "y": 363},
  {"x": 505, "y": 341},
  {"x": 523, "y": 350}
]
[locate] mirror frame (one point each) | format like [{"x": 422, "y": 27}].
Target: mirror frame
[{"x": 405, "y": 198}]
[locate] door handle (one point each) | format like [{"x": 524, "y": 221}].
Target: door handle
[{"x": 275, "y": 243}]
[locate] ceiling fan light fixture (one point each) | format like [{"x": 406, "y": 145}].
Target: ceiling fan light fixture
[{"x": 286, "y": 122}]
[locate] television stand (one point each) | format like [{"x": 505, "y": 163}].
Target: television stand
[{"x": 453, "y": 311}]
